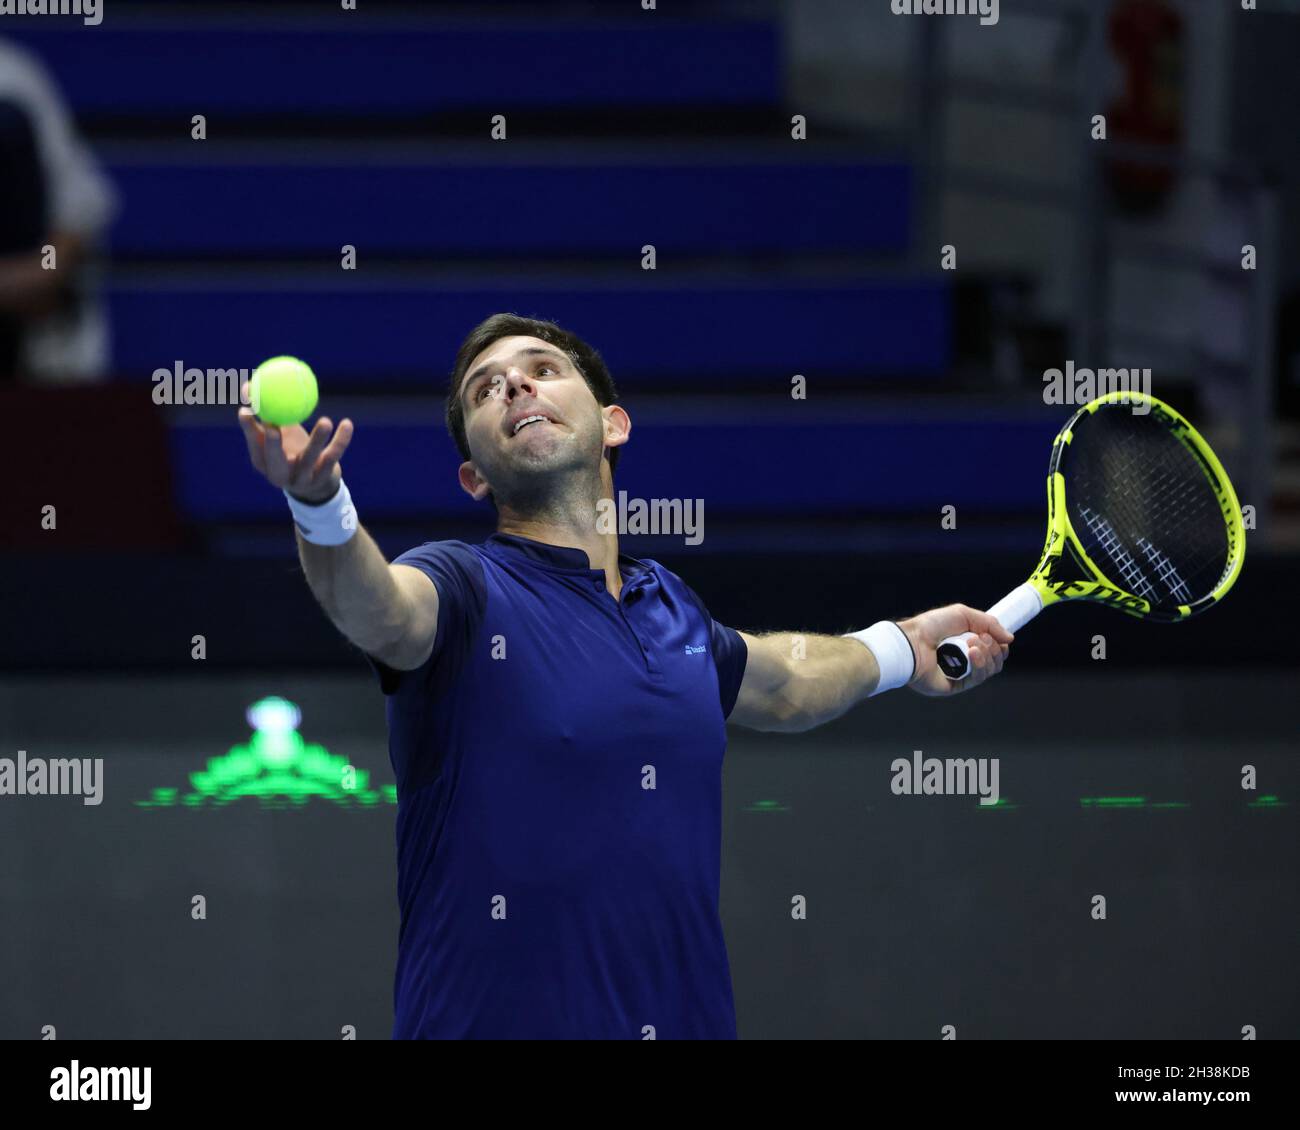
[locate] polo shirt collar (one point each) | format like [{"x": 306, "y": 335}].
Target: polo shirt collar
[{"x": 562, "y": 558}]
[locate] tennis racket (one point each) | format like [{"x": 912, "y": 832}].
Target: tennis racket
[{"x": 1140, "y": 516}]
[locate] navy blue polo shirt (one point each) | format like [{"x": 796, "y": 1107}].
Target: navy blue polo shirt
[{"x": 559, "y": 789}]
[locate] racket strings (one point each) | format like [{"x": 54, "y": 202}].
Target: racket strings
[
  {"x": 1143, "y": 508},
  {"x": 1108, "y": 541}
]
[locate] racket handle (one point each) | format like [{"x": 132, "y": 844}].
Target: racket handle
[{"x": 1013, "y": 612}]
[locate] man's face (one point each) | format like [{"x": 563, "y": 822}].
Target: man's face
[{"x": 528, "y": 414}]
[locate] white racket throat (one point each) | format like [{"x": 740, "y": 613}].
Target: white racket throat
[{"x": 1013, "y": 612}]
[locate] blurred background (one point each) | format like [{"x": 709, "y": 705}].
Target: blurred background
[{"x": 218, "y": 183}]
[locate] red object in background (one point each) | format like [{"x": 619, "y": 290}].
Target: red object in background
[
  {"x": 1146, "y": 37},
  {"x": 97, "y": 454}
]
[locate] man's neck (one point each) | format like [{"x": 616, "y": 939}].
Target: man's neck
[{"x": 601, "y": 548}]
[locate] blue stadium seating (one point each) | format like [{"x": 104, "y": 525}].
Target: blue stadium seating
[
  {"x": 708, "y": 332},
  {"x": 736, "y": 203},
  {"x": 352, "y": 64},
  {"x": 845, "y": 464}
]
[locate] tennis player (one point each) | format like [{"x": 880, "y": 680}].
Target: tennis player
[{"x": 557, "y": 709}]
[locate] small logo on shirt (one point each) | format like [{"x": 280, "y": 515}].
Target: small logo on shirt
[{"x": 694, "y": 650}]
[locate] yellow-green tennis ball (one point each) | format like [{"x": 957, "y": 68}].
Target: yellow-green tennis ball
[{"x": 282, "y": 391}]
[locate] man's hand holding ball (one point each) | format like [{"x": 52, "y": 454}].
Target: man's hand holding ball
[{"x": 282, "y": 392}]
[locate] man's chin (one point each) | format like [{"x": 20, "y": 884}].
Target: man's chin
[
  {"x": 542, "y": 452},
  {"x": 537, "y": 472}
]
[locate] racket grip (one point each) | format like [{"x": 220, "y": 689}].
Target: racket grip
[{"x": 1013, "y": 612}]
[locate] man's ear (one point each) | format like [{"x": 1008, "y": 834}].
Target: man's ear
[
  {"x": 472, "y": 483},
  {"x": 617, "y": 425}
]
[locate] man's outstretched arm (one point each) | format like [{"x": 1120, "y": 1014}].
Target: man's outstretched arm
[{"x": 794, "y": 681}]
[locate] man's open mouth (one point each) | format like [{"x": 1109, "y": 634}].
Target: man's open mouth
[{"x": 528, "y": 421}]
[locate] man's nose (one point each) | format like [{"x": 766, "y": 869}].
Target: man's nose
[{"x": 515, "y": 378}]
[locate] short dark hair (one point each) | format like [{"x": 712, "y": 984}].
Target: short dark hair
[{"x": 585, "y": 359}]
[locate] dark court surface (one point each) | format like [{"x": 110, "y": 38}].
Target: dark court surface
[{"x": 915, "y": 912}]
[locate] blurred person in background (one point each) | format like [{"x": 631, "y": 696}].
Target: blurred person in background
[{"x": 52, "y": 193}]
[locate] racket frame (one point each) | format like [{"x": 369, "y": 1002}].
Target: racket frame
[{"x": 1062, "y": 538}]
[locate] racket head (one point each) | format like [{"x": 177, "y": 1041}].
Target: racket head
[{"x": 1141, "y": 513}]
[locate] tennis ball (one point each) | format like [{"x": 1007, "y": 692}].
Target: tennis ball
[{"x": 282, "y": 391}]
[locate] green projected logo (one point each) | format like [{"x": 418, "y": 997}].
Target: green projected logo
[
  {"x": 278, "y": 768},
  {"x": 1129, "y": 802}
]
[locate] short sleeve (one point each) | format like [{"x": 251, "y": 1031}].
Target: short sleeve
[
  {"x": 457, "y": 574},
  {"x": 729, "y": 655}
]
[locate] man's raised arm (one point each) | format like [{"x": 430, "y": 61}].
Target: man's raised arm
[{"x": 389, "y": 611}]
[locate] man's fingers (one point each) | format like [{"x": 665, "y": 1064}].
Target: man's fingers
[
  {"x": 995, "y": 653},
  {"x": 316, "y": 442},
  {"x": 277, "y": 464},
  {"x": 986, "y": 656},
  {"x": 253, "y": 437},
  {"x": 292, "y": 457},
  {"x": 334, "y": 452},
  {"x": 984, "y": 624}
]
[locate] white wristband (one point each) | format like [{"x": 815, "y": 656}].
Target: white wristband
[
  {"x": 331, "y": 523},
  {"x": 894, "y": 656}
]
